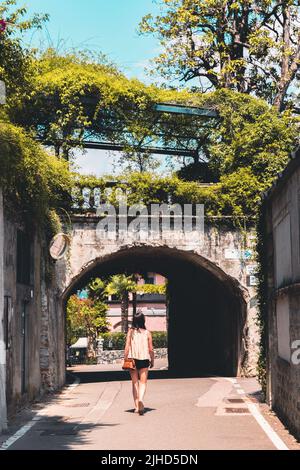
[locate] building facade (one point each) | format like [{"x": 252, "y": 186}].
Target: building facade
[
  {"x": 3, "y": 410},
  {"x": 282, "y": 254},
  {"x": 153, "y": 307},
  {"x": 32, "y": 329}
]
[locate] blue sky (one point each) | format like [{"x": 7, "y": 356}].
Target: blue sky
[{"x": 108, "y": 26}]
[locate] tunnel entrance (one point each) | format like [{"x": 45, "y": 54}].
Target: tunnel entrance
[{"x": 206, "y": 308}]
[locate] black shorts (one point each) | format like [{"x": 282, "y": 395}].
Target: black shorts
[{"x": 142, "y": 363}]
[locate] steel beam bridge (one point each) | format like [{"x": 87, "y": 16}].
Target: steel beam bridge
[{"x": 169, "y": 108}]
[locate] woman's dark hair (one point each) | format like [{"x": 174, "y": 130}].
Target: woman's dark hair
[{"x": 138, "y": 321}]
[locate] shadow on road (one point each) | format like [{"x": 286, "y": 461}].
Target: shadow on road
[
  {"x": 112, "y": 376},
  {"x": 57, "y": 433},
  {"x": 146, "y": 410}
]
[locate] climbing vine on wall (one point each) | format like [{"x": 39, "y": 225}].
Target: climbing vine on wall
[
  {"x": 262, "y": 294},
  {"x": 236, "y": 195},
  {"x": 35, "y": 184}
]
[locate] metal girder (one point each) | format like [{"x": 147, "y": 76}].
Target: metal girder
[
  {"x": 160, "y": 108},
  {"x": 154, "y": 150},
  {"x": 185, "y": 110},
  {"x": 120, "y": 147}
]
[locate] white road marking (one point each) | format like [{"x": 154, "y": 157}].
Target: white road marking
[
  {"x": 20, "y": 433},
  {"x": 272, "y": 435},
  {"x": 263, "y": 423},
  {"x": 24, "y": 429}
]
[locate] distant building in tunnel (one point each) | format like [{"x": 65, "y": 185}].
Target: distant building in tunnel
[
  {"x": 153, "y": 307},
  {"x": 281, "y": 234}
]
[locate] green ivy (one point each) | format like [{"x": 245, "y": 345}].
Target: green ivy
[
  {"x": 262, "y": 295},
  {"x": 35, "y": 184},
  {"x": 236, "y": 194}
]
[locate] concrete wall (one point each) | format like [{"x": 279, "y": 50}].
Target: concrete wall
[
  {"x": 283, "y": 250},
  {"x": 2, "y": 326}
]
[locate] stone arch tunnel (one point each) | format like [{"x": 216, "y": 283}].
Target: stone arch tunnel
[{"x": 207, "y": 307}]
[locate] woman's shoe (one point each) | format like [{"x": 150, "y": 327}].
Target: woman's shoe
[{"x": 141, "y": 408}]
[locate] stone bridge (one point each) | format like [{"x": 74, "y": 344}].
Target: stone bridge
[{"x": 211, "y": 288}]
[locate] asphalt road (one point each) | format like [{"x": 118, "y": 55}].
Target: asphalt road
[{"x": 181, "y": 413}]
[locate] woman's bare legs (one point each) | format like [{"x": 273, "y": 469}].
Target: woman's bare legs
[
  {"x": 143, "y": 373},
  {"x": 135, "y": 387}
]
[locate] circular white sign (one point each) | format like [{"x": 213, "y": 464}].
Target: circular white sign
[{"x": 59, "y": 246}]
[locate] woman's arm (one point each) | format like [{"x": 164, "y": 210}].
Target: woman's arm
[
  {"x": 151, "y": 350},
  {"x": 127, "y": 345}
]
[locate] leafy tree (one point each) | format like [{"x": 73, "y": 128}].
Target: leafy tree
[
  {"x": 75, "y": 98},
  {"x": 120, "y": 285},
  {"x": 35, "y": 184},
  {"x": 249, "y": 145},
  {"x": 249, "y": 46},
  {"x": 16, "y": 62},
  {"x": 97, "y": 289},
  {"x": 88, "y": 316},
  {"x": 250, "y": 134}
]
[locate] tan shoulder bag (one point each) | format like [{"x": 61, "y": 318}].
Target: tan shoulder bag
[{"x": 129, "y": 364}]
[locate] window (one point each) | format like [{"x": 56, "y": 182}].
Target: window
[
  {"x": 24, "y": 258},
  {"x": 149, "y": 278}
]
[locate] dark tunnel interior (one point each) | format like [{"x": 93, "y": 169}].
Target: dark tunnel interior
[{"x": 206, "y": 310}]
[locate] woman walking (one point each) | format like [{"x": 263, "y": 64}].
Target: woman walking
[{"x": 140, "y": 348}]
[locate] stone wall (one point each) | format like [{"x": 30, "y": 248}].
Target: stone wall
[
  {"x": 35, "y": 342},
  {"x": 222, "y": 253},
  {"x": 283, "y": 254},
  {"x": 116, "y": 357},
  {"x": 286, "y": 396},
  {"x": 2, "y": 325}
]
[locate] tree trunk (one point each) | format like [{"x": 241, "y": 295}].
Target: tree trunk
[
  {"x": 134, "y": 304},
  {"x": 241, "y": 28},
  {"x": 285, "y": 76},
  {"x": 57, "y": 150},
  {"x": 91, "y": 350},
  {"x": 124, "y": 312}
]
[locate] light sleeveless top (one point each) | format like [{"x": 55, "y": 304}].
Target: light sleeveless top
[{"x": 139, "y": 348}]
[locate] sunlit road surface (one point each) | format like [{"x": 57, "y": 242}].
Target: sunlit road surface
[{"x": 181, "y": 413}]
